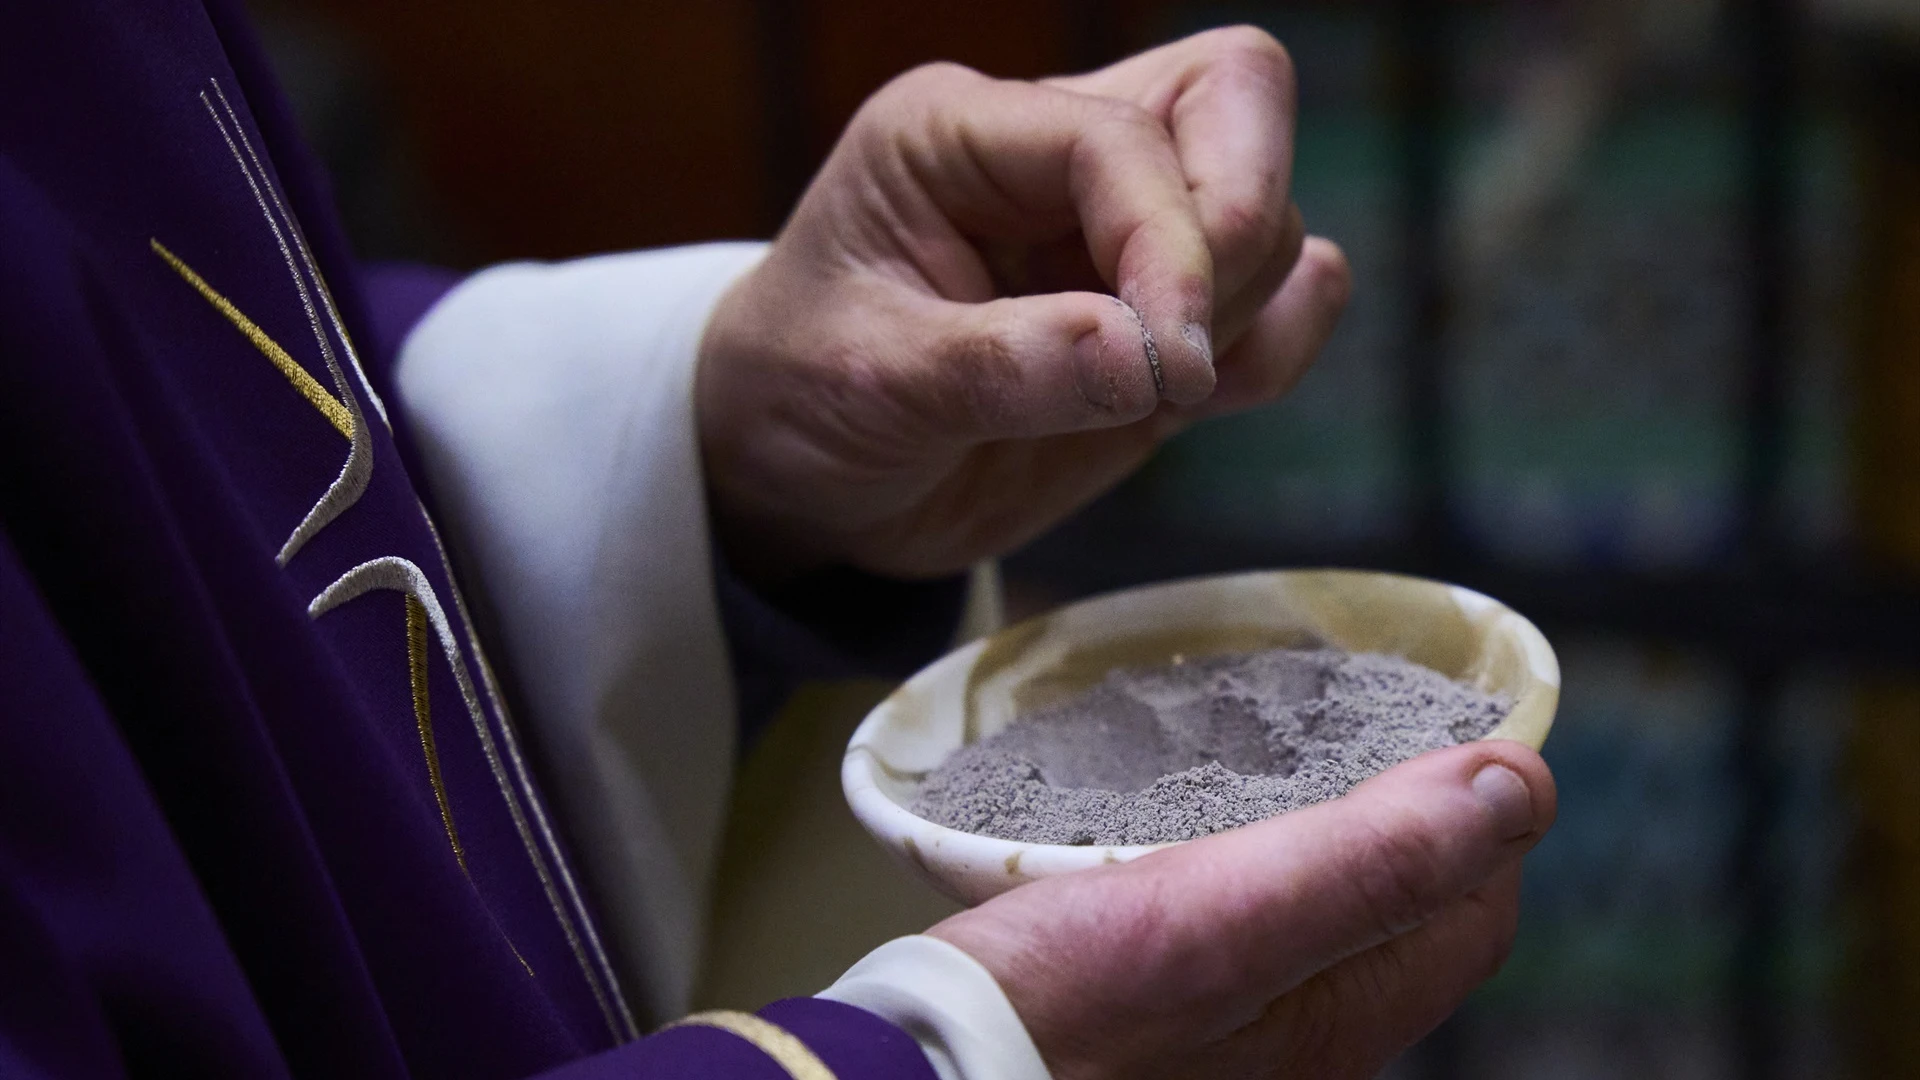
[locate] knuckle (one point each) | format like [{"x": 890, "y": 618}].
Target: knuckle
[
  {"x": 1188, "y": 381},
  {"x": 1397, "y": 873},
  {"x": 934, "y": 77},
  {"x": 1256, "y": 51},
  {"x": 1126, "y": 118},
  {"x": 989, "y": 351},
  {"x": 915, "y": 90},
  {"x": 1253, "y": 219},
  {"x": 983, "y": 370},
  {"x": 1313, "y": 1028}
]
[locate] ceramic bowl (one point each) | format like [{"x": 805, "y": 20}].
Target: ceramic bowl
[{"x": 978, "y": 689}]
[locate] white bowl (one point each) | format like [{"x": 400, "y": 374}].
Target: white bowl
[{"x": 978, "y": 689}]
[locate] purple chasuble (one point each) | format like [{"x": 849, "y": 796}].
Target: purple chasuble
[{"x": 261, "y": 810}]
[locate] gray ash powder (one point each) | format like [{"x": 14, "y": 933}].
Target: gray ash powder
[{"x": 1151, "y": 755}]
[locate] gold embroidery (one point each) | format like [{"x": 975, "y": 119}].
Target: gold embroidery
[
  {"x": 391, "y": 572},
  {"x": 345, "y": 405},
  {"x": 517, "y": 956},
  {"x": 423, "y": 716},
  {"x": 613, "y": 1004},
  {"x": 306, "y": 384},
  {"x": 347, "y": 488},
  {"x": 786, "y": 1050}
]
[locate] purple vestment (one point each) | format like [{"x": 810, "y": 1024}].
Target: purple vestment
[{"x": 261, "y": 810}]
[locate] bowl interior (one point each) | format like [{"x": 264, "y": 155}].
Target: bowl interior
[{"x": 980, "y": 688}]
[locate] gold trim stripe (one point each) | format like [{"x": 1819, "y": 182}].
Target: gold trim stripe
[
  {"x": 786, "y": 1049},
  {"x": 308, "y": 387},
  {"x": 423, "y": 717}
]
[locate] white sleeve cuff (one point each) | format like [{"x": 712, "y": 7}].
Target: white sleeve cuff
[
  {"x": 553, "y": 407},
  {"x": 948, "y": 1003}
]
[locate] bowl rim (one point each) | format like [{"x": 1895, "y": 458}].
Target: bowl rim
[{"x": 883, "y": 817}]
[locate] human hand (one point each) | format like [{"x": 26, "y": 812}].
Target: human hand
[
  {"x": 931, "y": 366},
  {"x": 1320, "y": 943}
]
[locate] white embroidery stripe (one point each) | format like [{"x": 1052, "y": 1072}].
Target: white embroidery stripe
[
  {"x": 511, "y": 741},
  {"x": 347, "y": 488},
  {"x": 306, "y": 256},
  {"x": 257, "y": 184},
  {"x": 402, "y": 575},
  {"x": 344, "y": 492},
  {"x": 333, "y": 315}
]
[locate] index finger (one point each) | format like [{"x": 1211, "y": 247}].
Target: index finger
[
  {"x": 1229, "y": 97},
  {"x": 1017, "y": 160}
]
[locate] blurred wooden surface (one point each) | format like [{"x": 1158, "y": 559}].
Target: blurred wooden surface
[{"x": 572, "y": 126}]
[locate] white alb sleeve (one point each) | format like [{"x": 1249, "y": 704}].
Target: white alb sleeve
[
  {"x": 553, "y": 407},
  {"x": 948, "y": 1003}
]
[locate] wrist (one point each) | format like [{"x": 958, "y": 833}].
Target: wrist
[{"x": 738, "y": 440}]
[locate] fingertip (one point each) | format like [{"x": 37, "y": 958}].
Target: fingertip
[
  {"x": 1167, "y": 278},
  {"x": 1332, "y": 273},
  {"x": 1507, "y": 780},
  {"x": 1122, "y": 367},
  {"x": 1505, "y": 799},
  {"x": 1190, "y": 374},
  {"x": 1188, "y": 377},
  {"x": 1287, "y": 334},
  {"x": 1178, "y": 346},
  {"x": 1034, "y": 366},
  {"x": 1526, "y": 763},
  {"x": 1198, "y": 338},
  {"x": 1075, "y": 361}
]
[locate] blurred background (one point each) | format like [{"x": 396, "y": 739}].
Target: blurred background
[{"x": 1634, "y": 346}]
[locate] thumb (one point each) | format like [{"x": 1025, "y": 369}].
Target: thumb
[
  {"x": 1191, "y": 944},
  {"x": 1029, "y": 366},
  {"x": 1305, "y": 890}
]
